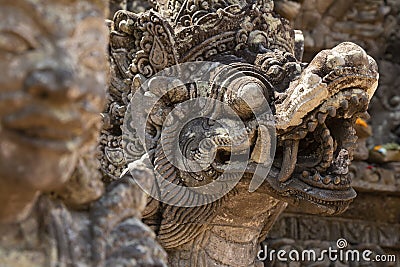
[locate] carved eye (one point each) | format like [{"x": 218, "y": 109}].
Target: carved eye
[
  {"x": 93, "y": 58},
  {"x": 249, "y": 99},
  {"x": 12, "y": 42}
]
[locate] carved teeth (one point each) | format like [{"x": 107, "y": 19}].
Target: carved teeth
[
  {"x": 316, "y": 177},
  {"x": 289, "y": 160},
  {"x": 332, "y": 111},
  {"x": 312, "y": 125},
  {"x": 321, "y": 117},
  {"x": 137, "y": 82},
  {"x": 263, "y": 146},
  {"x": 325, "y": 133},
  {"x": 329, "y": 141},
  {"x": 336, "y": 181},
  {"x": 364, "y": 100},
  {"x": 365, "y": 116},
  {"x": 302, "y": 133},
  {"x": 354, "y": 100},
  {"x": 327, "y": 180},
  {"x": 344, "y": 104}
]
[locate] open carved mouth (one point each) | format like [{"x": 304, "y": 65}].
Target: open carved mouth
[
  {"x": 313, "y": 158},
  {"x": 321, "y": 147}
]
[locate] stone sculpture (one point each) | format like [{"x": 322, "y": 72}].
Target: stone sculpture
[
  {"x": 52, "y": 88},
  {"x": 49, "y": 115},
  {"x": 315, "y": 105},
  {"x": 42, "y": 122}
]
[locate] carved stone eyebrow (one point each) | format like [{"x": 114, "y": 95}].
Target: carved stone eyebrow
[
  {"x": 20, "y": 23},
  {"x": 87, "y": 25}
]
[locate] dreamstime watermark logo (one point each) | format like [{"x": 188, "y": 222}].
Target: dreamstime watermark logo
[
  {"x": 339, "y": 253},
  {"x": 200, "y": 118}
]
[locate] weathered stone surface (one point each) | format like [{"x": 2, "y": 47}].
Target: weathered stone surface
[
  {"x": 315, "y": 106},
  {"x": 58, "y": 211},
  {"x": 55, "y": 209},
  {"x": 373, "y": 217}
]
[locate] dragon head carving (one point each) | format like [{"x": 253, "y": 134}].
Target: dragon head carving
[
  {"x": 315, "y": 119},
  {"x": 315, "y": 105}
]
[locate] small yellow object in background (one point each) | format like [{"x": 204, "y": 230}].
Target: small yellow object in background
[{"x": 361, "y": 122}]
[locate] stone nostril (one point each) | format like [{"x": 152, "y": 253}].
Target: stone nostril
[
  {"x": 65, "y": 77},
  {"x": 50, "y": 83}
]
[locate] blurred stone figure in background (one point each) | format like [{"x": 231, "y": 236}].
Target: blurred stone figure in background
[
  {"x": 52, "y": 87},
  {"x": 131, "y": 5},
  {"x": 54, "y": 72},
  {"x": 53, "y": 63}
]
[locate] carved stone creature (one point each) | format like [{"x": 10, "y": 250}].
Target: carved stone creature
[
  {"x": 315, "y": 106},
  {"x": 54, "y": 65},
  {"x": 372, "y": 24}
]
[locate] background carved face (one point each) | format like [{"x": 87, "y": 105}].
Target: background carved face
[{"x": 53, "y": 76}]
